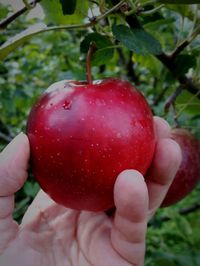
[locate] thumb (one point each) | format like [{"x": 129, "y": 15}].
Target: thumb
[
  {"x": 13, "y": 173},
  {"x": 13, "y": 165}
]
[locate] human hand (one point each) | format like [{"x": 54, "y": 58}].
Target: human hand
[{"x": 51, "y": 235}]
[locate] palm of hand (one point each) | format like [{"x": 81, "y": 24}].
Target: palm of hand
[
  {"x": 59, "y": 237},
  {"x": 51, "y": 235}
]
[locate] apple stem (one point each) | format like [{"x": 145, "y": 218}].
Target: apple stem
[{"x": 88, "y": 62}]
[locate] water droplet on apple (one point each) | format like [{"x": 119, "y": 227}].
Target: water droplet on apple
[
  {"x": 67, "y": 105},
  {"x": 119, "y": 135}
]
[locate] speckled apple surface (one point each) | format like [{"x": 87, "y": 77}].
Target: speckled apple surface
[{"x": 83, "y": 135}]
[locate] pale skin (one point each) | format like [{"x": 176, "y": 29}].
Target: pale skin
[{"x": 51, "y": 235}]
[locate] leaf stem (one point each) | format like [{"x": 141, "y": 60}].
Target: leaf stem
[
  {"x": 152, "y": 11},
  {"x": 139, "y": 7}
]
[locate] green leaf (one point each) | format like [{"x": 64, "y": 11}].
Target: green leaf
[
  {"x": 21, "y": 207},
  {"x": 187, "y": 102},
  {"x": 102, "y": 56},
  {"x": 68, "y": 7},
  {"x": 184, "y": 10},
  {"x": 137, "y": 40},
  {"x": 54, "y": 12},
  {"x": 184, "y": 2},
  {"x": 20, "y": 39},
  {"x": 101, "y": 41},
  {"x": 104, "y": 51},
  {"x": 31, "y": 189},
  {"x": 3, "y": 11},
  {"x": 164, "y": 259},
  {"x": 187, "y": 259},
  {"x": 183, "y": 226}
]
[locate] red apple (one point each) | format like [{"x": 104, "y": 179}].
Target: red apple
[
  {"x": 83, "y": 135},
  {"x": 189, "y": 171}
]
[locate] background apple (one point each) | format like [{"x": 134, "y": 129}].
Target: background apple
[
  {"x": 82, "y": 135},
  {"x": 189, "y": 171}
]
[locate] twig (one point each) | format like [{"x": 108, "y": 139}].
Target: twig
[
  {"x": 5, "y": 22},
  {"x": 140, "y": 8},
  {"x": 5, "y": 137},
  {"x": 185, "y": 43},
  {"x": 171, "y": 103},
  {"x": 29, "y": 5},
  {"x": 160, "y": 96},
  {"x": 184, "y": 211},
  {"x": 172, "y": 98},
  {"x": 151, "y": 11},
  {"x": 186, "y": 82},
  {"x": 179, "y": 49},
  {"x": 175, "y": 117}
]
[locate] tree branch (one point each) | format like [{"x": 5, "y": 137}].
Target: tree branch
[
  {"x": 185, "y": 211},
  {"x": 169, "y": 60},
  {"x": 179, "y": 49},
  {"x": 5, "y": 138},
  {"x": 5, "y": 22},
  {"x": 185, "y": 43},
  {"x": 172, "y": 98}
]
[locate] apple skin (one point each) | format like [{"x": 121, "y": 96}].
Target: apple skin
[
  {"x": 188, "y": 173},
  {"x": 83, "y": 135}
]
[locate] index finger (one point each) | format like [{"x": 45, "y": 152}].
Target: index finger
[{"x": 165, "y": 164}]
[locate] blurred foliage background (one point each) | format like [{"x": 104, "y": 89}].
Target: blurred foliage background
[{"x": 153, "y": 44}]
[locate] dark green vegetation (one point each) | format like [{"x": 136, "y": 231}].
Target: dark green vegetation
[{"x": 154, "y": 45}]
